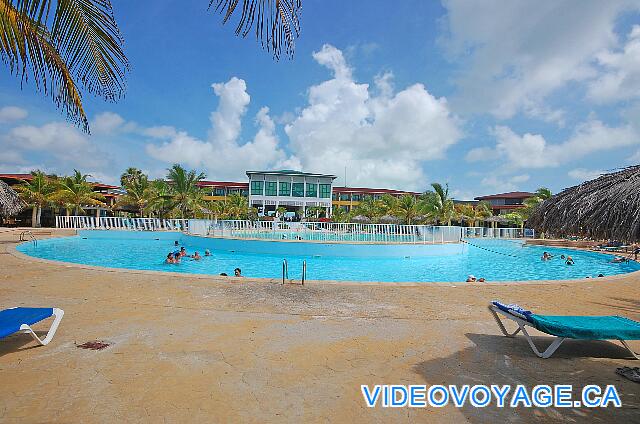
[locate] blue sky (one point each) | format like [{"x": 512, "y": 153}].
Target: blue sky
[{"x": 487, "y": 96}]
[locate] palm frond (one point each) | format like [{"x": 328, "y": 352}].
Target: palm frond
[
  {"x": 26, "y": 46},
  {"x": 78, "y": 45},
  {"x": 86, "y": 33},
  {"x": 276, "y": 21}
]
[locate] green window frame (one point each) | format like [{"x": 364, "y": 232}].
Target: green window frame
[
  {"x": 285, "y": 188},
  {"x": 344, "y": 197},
  {"x": 325, "y": 191},
  {"x": 256, "y": 188},
  {"x": 271, "y": 188},
  {"x": 312, "y": 190},
  {"x": 297, "y": 189}
]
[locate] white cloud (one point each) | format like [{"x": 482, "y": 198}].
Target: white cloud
[
  {"x": 161, "y": 132},
  {"x": 517, "y": 53},
  {"x": 533, "y": 151},
  {"x": 621, "y": 80},
  {"x": 12, "y": 113},
  {"x": 106, "y": 123},
  {"x": 583, "y": 174},
  {"x": 60, "y": 140},
  {"x": 635, "y": 158},
  {"x": 501, "y": 183},
  {"x": 222, "y": 154},
  {"x": 382, "y": 139}
]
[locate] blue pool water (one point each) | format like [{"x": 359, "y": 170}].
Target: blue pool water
[{"x": 495, "y": 260}]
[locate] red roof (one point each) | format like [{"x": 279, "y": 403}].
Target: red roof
[
  {"x": 372, "y": 190},
  {"x": 15, "y": 176},
  {"x": 509, "y": 195},
  {"x": 223, "y": 184}
]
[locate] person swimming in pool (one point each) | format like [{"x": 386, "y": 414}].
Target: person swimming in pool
[
  {"x": 569, "y": 261},
  {"x": 176, "y": 258},
  {"x": 183, "y": 251},
  {"x": 619, "y": 259},
  {"x": 176, "y": 244},
  {"x": 170, "y": 259},
  {"x": 196, "y": 256},
  {"x": 546, "y": 256},
  {"x": 237, "y": 272},
  {"x": 207, "y": 252},
  {"x": 471, "y": 279}
]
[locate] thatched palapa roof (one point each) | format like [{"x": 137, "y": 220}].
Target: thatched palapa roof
[
  {"x": 607, "y": 207},
  {"x": 361, "y": 219},
  {"x": 389, "y": 219},
  {"x": 10, "y": 203}
]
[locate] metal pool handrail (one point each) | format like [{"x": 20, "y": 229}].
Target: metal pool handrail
[
  {"x": 304, "y": 271},
  {"x": 23, "y": 235},
  {"x": 285, "y": 270}
]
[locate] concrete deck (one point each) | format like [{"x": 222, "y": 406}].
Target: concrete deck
[{"x": 200, "y": 349}]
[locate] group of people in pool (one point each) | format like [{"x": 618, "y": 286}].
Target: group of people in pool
[
  {"x": 472, "y": 279},
  {"x": 176, "y": 256},
  {"x": 568, "y": 260}
]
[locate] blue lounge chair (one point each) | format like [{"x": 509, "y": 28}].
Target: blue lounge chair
[
  {"x": 567, "y": 327},
  {"x": 16, "y": 320}
]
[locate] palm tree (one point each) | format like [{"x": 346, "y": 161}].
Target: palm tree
[
  {"x": 77, "y": 47},
  {"x": 388, "y": 204},
  {"x": 482, "y": 211},
  {"x": 37, "y": 194},
  {"x": 540, "y": 195},
  {"x": 161, "y": 204},
  {"x": 280, "y": 211},
  {"x": 131, "y": 175},
  {"x": 515, "y": 218},
  {"x": 315, "y": 212},
  {"x": 466, "y": 212},
  {"x": 276, "y": 21},
  {"x": 408, "y": 208},
  {"x": 237, "y": 206},
  {"x": 370, "y": 208},
  {"x": 75, "y": 192},
  {"x": 139, "y": 194},
  {"x": 439, "y": 205},
  {"x": 187, "y": 195},
  {"x": 340, "y": 215}
]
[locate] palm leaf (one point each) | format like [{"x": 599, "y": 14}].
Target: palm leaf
[
  {"x": 86, "y": 33},
  {"x": 80, "y": 42},
  {"x": 27, "y": 48},
  {"x": 276, "y": 21}
]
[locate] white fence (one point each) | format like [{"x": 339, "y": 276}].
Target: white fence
[
  {"x": 311, "y": 231},
  {"x": 334, "y": 232},
  {"x": 118, "y": 223}
]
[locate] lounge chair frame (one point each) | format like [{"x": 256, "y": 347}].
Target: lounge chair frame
[
  {"x": 524, "y": 323},
  {"x": 26, "y": 329}
]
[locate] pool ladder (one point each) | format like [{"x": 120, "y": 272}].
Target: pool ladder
[
  {"x": 27, "y": 233},
  {"x": 285, "y": 271}
]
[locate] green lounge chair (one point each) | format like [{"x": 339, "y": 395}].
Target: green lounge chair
[{"x": 567, "y": 327}]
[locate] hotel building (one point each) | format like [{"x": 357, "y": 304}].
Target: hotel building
[
  {"x": 348, "y": 198},
  {"x": 293, "y": 190},
  {"x": 504, "y": 203}
]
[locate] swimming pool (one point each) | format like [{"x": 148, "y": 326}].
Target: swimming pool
[{"x": 493, "y": 259}]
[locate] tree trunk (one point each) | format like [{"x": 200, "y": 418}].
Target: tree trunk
[
  {"x": 39, "y": 217},
  {"x": 34, "y": 215}
]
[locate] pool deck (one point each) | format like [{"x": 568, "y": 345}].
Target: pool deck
[{"x": 212, "y": 349}]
